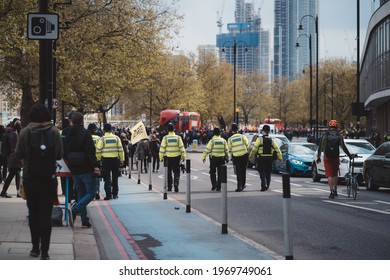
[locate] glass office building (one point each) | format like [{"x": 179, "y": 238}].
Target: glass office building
[
  {"x": 375, "y": 71},
  {"x": 251, "y": 41},
  {"x": 288, "y": 59}
]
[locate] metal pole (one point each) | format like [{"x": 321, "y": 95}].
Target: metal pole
[
  {"x": 150, "y": 112},
  {"x": 188, "y": 190},
  {"x": 358, "y": 65},
  {"x": 224, "y": 199},
  {"x": 234, "y": 77},
  {"x": 332, "y": 94},
  {"x": 44, "y": 59},
  {"x": 139, "y": 164},
  {"x": 130, "y": 164},
  {"x": 165, "y": 177},
  {"x": 311, "y": 87},
  {"x": 150, "y": 171},
  {"x": 288, "y": 246},
  {"x": 317, "y": 88}
]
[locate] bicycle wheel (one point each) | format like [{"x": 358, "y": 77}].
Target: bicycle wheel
[
  {"x": 349, "y": 186},
  {"x": 354, "y": 189}
]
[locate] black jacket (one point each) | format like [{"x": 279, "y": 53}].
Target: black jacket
[{"x": 77, "y": 139}]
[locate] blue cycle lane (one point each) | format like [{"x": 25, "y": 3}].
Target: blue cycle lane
[{"x": 141, "y": 224}]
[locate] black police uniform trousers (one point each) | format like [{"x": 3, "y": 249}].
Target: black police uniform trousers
[
  {"x": 110, "y": 174},
  {"x": 216, "y": 170},
  {"x": 173, "y": 166},
  {"x": 240, "y": 164},
  {"x": 264, "y": 166}
]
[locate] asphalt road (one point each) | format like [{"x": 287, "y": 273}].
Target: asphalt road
[{"x": 321, "y": 228}]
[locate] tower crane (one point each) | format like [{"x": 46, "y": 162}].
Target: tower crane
[{"x": 219, "y": 18}]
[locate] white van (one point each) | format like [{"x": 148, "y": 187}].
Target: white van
[{"x": 273, "y": 129}]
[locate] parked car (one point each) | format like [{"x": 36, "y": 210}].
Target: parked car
[
  {"x": 297, "y": 158},
  {"x": 376, "y": 168},
  {"x": 278, "y": 139},
  {"x": 355, "y": 146}
]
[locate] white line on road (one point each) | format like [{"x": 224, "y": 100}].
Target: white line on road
[
  {"x": 381, "y": 201},
  {"x": 358, "y": 207},
  {"x": 297, "y": 185}
]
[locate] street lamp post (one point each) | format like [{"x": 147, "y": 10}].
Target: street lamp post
[
  {"x": 317, "y": 47},
  {"x": 235, "y": 112},
  {"x": 311, "y": 79}
]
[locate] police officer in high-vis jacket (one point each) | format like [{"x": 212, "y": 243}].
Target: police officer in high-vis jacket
[
  {"x": 172, "y": 147},
  {"x": 110, "y": 152},
  {"x": 264, "y": 148},
  {"x": 238, "y": 145},
  {"x": 219, "y": 153},
  {"x": 92, "y": 128}
]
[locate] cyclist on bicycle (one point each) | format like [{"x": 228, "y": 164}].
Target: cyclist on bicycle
[{"x": 330, "y": 143}]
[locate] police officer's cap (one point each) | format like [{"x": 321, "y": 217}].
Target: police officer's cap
[
  {"x": 107, "y": 127},
  {"x": 266, "y": 128},
  {"x": 234, "y": 127},
  {"x": 171, "y": 127},
  {"x": 216, "y": 131},
  {"x": 92, "y": 126}
]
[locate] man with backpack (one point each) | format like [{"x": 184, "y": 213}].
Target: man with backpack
[
  {"x": 264, "y": 148},
  {"x": 39, "y": 147},
  {"x": 330, "y": 144}
]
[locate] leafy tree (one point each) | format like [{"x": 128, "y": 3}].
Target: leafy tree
[{"x": 18, "y": 56}]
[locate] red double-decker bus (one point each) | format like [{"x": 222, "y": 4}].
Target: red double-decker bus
[
  {"x": 190, "y": 121},
  {"x": 181, "y": 121}
]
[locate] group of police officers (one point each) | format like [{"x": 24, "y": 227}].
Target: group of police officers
[{"x": 218, "y": 149}]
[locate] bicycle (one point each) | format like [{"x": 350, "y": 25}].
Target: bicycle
[{"x": 352, "y": 182}]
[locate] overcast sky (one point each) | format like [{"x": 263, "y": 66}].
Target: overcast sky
[{"x": 337, "y": 23}]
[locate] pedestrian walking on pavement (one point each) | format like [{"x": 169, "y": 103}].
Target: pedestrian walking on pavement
[
  {"x": 39, "y": 147},
  {"x": 264, "y": 148},
  {"x": 80, "y": 154},
  {"x": 3, "y": 157},
  {"x": 112, "y": 156},
  {"x": 14, "y": 165},
  {"x": 154, "y": 148},
  {"x": 330, "y": 144},
  {"x": 172, "y": 148},
  {"x": 238, "y": 145},
  {"x": 218, "y": 152},
  {"x": 142, "y": 154}
]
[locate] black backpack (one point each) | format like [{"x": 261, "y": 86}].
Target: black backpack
[
  {"x": 42, "y": 158},
  {"x": 332, "y": 144},
  {"x": 267, "y": 145}
]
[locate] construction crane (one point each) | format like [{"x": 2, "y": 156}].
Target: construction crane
[{"x": 219, "y": 18}]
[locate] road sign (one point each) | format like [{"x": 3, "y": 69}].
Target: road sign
[
  {"x": 42, "y": 26},
  {"x": 55, "y": 103}
]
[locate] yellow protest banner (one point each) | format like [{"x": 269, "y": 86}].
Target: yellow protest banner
[{"x": 138, "y": 132}]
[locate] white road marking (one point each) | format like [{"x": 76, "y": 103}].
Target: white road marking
[{"x": 356, "y": 206}]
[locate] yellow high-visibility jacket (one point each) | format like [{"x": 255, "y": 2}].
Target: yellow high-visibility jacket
[
  {"x": 110, "y": 146},
  {"x": 216, "y": 147},
  {"x": 172, "y": 146},
  {"x": 238, "y": 145},
  {"x": 258, "y": 148}
]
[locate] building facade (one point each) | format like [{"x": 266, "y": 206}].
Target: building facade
[
  {"x": 250, "y": 41},
  {"x": 289, "y": 15},
  {"x": 374, "y": 76}
]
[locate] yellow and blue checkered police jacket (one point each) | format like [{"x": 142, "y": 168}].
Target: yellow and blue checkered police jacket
[{"x": 172, "y": 146}]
